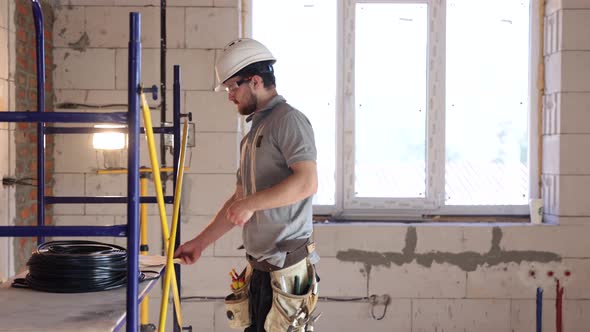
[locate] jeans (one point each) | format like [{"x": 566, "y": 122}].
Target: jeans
[{"x": 260, "y": 300}]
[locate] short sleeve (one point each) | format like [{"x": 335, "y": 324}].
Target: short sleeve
[{"x": 295, "y": 138}]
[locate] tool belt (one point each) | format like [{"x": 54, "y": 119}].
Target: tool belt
[{"x": 297, "y": 250}]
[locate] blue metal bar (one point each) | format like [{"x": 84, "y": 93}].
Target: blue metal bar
[
  {"x": 134, "y": 78},
  {"x": 65, "y": 117},
  {"x": 101, "y": 199},
  {"x": 176, "y": 119},
  {"x": 40, "y": 41},
  {"x": 90, "y": 130},
  {"x": 116, "y": 230}
]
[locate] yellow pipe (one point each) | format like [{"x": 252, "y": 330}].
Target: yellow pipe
[
  {"x": 170, "y": 252},
  {"x": 141, "y": 170},
  {"x": 143, "y": 243},
  {"x": 147, "y": 118}
]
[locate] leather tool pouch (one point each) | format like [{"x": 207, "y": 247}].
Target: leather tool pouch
[
  {"x": 237, "y": 305},
  {"x": 287, "y": 306}
]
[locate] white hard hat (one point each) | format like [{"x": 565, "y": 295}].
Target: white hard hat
[{"x": 237, "y": 55}]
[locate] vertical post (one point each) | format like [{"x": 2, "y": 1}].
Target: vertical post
[
  {"x": 143, "y": 245},
  {"x": 40, "y": 39},
  {"x": 133, "y": 170},
  {"x": 163, "y": 48},
  {"x": 176, "y": 118}
]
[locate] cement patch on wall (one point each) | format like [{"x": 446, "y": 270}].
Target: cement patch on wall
[{"x": 468, "y": 261}]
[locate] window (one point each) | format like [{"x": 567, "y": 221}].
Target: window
[{"x": 419, "y": 107}]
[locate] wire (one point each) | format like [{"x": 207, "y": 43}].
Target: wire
[
  {"x": 70, "y": 105},
  {"x": 76, "y": 267}
]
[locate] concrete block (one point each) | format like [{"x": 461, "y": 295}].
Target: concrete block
[
  {"x": 106, "y": 185},
  {"x": 417, "y": 281},
  {"x": 193, "y": 225},
  {"x": 4, "y": 104},
  {"x": 565, "y": 241},
  {"x": 227, "y": 246},
  {"x": 575, "y": 71},
  {"x": 216, "y": 153},
  {"x": 460, "y": 315},
  {"x": 334, "y": 239},
  {"x": 342, "y": 278},
  {"x": 211, "y": 27},
  {"x": 355, "y": 316},
  {"x": 72, "y": 72},
  {"x": 190, "y": 3},
  {"x": 4, "y": 13},
  {"x": 68, "y": 184},
  {"x": 574, "y": 21},
  {"x": 69, "y": 26},
  {"x": 150, "y": 68},
  {"x": 554, "y": 74},
  {"x": 573, "y": 221},
  {"x": 197, "y": 68},
  {"x": 109, "y": 26},
  {"x": 74, "y": 155},
  {"x": 226, "y": 3},
  {"x": 523, "y": 315},
  {"x": 212, "y": 112},
  {"x": 85, "y": 220},
  {"x": 505, "y": 281},
  {"x": 453, "y": 239},
  {"x": 5, "y": 168},
  {"x": 175, "y": 26},
  {"x": 574, "y": 4},
  {"x": 91, "y": 3},
  {"x": 209, "y": 276},
  {"x": 207, "y": 192},
  {"x": 4, "y": 65},
  {"x": 576, "y": 285},
  {"x": 572, "y": 195},
  {"x": 574, "y": 112}
]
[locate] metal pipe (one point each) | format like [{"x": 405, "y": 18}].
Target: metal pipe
[
  {"x": 16, "y": 231},
  {"x": 64, "y": 117},
  {"x": 101, "y": 199},
  {"x": 163, "y": 48},
  {"x": 143, "y": 245},
  {"x": 134, "y": 77},
  {"x": 177, "y": 148},
  {"x": 90, "y": 130},
  {"x": 40, "y": 53},
  {"x": 141, "y": 170}
]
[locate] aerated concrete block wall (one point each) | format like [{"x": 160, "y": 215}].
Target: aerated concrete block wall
[
  {"x": 441, "y": 277},
  {"x": 7, "y": 87}
]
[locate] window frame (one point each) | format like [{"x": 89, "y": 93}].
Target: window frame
[{"x": 348, "y": 207}]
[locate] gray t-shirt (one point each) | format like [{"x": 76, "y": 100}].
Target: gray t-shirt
[{"x": 279, "y": 137}]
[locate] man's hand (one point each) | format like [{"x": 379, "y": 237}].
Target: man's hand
[
  {"x": 189, "y": 252},
  {"x": 238, "y": 213}
]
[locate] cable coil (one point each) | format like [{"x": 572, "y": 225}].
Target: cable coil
[{"x": 76, "y": 267}]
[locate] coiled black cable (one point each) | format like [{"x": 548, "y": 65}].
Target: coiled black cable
[{"x": 76, "y": 267}]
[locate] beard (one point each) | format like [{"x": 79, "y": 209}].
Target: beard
[{"x": 249, "y": 106}]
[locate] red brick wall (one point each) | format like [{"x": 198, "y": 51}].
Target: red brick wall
[{"x": 26, "y": 133}]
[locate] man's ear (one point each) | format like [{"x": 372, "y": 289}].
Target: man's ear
[{"x": 257, "y": 80}]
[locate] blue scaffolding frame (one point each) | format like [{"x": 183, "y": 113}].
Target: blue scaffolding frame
[{"x": 132, "y": 120}]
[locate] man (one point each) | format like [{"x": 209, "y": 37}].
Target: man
[{"x": 276, "y": 180}]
